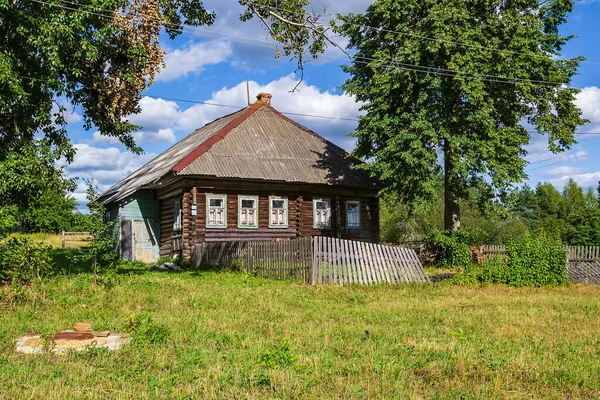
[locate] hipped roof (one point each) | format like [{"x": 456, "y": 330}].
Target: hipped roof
[{"x": 257, "y": 143}]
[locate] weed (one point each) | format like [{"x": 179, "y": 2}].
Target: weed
[
  {"x": 144, "y": 331},
  {"x": 278, "y": 357}
]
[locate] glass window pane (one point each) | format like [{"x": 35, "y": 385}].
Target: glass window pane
[
  {"x": 216, "y": 202},
  {"x": 353, "y": 207},
  {"x": 247, "y": 203},
  {"x": 278, "y": 203}
]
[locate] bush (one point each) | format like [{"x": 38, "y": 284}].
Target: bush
[
  {"x": 533, "y": 260},
  {"x": 450, "y": 249},
  {"x": 21, "y": 261}
]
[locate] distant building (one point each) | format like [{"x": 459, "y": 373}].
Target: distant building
[{"x": 251, "y": 175}]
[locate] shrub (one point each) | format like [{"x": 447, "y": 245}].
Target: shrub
[
  {"x": 451, "y": 249},
  {"x": 21, "y": 261},
  {"x": 533, "y": 260}
]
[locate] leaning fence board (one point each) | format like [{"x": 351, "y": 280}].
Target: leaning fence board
[{"x": 343, "y": 261}]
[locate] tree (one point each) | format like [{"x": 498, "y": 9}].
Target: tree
[
  {"x": 455, "y": 79},
  {"x": 101, "y": 54},
  {"x": 30, "y": 182}
]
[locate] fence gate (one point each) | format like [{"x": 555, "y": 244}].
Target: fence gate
[{"x": 345, "y": 261}]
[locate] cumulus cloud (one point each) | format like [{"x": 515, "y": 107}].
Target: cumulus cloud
[
  {"x": 106, "y": 165},
  {"x": 97, "y": 137},
  {"x": 157, "y": 119},
  {"x": 585, "y": 180},
  {"x": 193, "y": 58},
  {"x": 588, "y": 100}
]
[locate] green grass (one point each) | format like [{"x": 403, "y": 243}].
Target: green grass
[{"x": 230, "y": 336}]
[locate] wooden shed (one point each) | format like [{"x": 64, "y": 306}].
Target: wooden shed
[{"x": 251, "y": 175}]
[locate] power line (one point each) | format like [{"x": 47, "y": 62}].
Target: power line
[
  {"x": 556, "y": 163},
  {"x": 428, "y": 38},
  {"x": 403, "y": 66}
]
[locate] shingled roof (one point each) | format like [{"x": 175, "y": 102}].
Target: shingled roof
[{"x": 257, "y": 143}]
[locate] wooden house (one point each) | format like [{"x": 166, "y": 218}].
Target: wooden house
[{"x": 251, "y": 175}]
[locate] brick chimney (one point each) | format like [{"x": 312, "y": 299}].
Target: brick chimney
[{"x": 265, "y": 98}]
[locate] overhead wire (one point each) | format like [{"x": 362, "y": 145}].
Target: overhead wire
[
  {"x": 364, "y": 60},
  {"x": 265, "y": 43},
  {"x": 425, "y": 37}
]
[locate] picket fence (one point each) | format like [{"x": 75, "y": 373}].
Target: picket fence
[
  {"x": 345, "y": 261},
  {"x": 315, "y": 260}
]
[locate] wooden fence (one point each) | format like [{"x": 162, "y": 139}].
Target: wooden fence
[
  {"x": 318, "y": 260},
  {"x": 345, "y": 261},
  {"x": 574, "y": 253},
  {"x": 75, "y": 240},
  {"x": 289, "y": 259}
]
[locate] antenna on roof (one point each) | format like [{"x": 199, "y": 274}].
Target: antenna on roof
[{"x": 248, "y": 91}]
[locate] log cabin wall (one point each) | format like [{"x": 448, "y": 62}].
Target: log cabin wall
[{"x": 300, "y": 214}]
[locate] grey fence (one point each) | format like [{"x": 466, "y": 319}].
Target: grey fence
[{"x": 316, "y": 260}]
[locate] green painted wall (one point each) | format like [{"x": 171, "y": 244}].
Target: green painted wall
[{"x": 143, "y": 208}]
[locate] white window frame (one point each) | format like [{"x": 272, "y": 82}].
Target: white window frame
[
  {"x": 315, "y": 223},
  {"x": 357, "y": 203},
  {"x": 285, "y": 212},
  {"x": 255, "y": 209},
  {"x": 177, "y": 216},
  {"x": 210, "y": 197}
]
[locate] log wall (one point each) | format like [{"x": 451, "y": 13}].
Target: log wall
[{"x": 300, "y": 214}]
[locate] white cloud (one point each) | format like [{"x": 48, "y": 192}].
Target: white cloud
[
  {"x": 588, "y": 100},
  {"x": 192, "y": 58},
  {"x": 161, "y": 136},
  {"x": 107, "y": 166},
  {"x": 157, "y": 119},
  {"x": 100, "y": 138},
  {"x": 564, "y": 171},
  {"x": 584, "y": 180}
]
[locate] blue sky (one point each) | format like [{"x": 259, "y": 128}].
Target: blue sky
[{"x": 212, "y": 64}]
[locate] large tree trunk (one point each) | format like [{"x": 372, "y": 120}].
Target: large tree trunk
[{"x": 451, "y": 206}]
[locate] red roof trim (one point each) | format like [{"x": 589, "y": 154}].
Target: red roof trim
[{"x": 207, "y": 144}]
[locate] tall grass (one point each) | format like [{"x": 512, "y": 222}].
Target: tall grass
[{"x": 233, "y": 336}]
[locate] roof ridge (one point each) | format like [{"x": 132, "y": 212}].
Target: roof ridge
[{"x": 207, "y": 144}]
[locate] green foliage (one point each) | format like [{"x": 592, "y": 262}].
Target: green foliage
[
  {"x": 58, "y": 55},
  {"x": 22, "y": 261},
  {"x": 534, "y": 260},
  {"x": 278, "y": 357},
  {"x": 144, "y": 331},
  {"x": 424, "y": 98},
  {"x": 451, "y": 249},
  {"x": 101, "y": 250}
]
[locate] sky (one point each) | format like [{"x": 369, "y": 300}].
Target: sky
[{"x": 212, "y": 65}]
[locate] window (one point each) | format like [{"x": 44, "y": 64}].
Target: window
[
  {"x": 176, "y": 216},
  {"x": 322, "y": 213},
  {"x": 353, "y": 214},
  {"x": 278, "y": 212},
  {"x": 216, "y": 211},
  {"x": 248, "y": 212}
]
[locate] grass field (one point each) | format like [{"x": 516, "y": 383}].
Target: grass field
[{"x": 233, "y": 336}]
